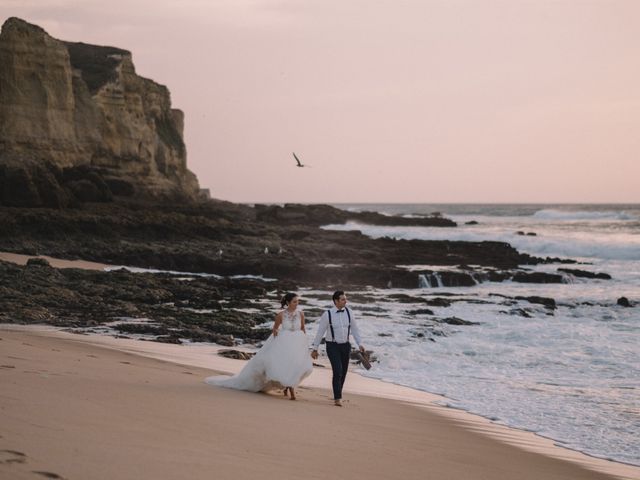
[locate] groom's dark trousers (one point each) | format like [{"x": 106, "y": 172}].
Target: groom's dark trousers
[{"x": 338, "y": 354}]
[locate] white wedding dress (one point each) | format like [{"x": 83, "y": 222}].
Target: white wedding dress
[{"x": 283, "y": 361}]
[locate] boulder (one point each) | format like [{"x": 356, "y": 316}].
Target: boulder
[
  {"x": 438, "y": 302},
  {"x": 420, "y": 311},
  {"x": 549, "y": 303},
  {"x": 235, "y": 354},
  {"x": 38, "y": 262},
  {"x": 456, "y": 321},
  {"x": 624, "y": 302}
]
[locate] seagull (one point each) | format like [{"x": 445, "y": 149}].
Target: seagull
[{"x": 298, "y": 160}]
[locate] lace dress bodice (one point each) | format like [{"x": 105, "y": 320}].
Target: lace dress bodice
[{"x": 291, "y": 321}]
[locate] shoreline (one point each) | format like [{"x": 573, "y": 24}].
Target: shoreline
[{"x": 204, "y": 357}]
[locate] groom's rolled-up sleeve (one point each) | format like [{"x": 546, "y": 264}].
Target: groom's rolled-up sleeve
[{"x": 322, "y": 329}]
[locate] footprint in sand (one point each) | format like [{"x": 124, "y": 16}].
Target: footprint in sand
[
  {"x": 8, "y": 457},
  {"x": 126, "y": 363},
  {"x": 12, "y": 456},
  {"x": 48, "y": 474},
  {"x": 7, "y": 366}
]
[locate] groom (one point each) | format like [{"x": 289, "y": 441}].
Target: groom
[{"x": 340, "y": 323}]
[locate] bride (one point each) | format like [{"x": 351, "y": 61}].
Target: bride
[{"x": 282, "y": 362}]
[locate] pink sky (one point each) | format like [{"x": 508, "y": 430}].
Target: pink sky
[{"x": 387, "y": 101}]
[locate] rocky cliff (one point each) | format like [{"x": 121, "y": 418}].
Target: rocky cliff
[{"x": 78, "y": 124}]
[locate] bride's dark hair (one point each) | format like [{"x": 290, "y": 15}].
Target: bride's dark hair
[{"x": 287, "y": 298}]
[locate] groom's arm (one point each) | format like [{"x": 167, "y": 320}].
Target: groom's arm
[
  {"x": 355, "y": 331},
  {"x": 323, "y": 324}
]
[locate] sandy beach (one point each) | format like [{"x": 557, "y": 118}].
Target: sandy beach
[
  {"x": 75, "y": 409},
  {"x": 20, "y": 259}
]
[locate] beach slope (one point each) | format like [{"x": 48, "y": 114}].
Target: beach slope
[{"x": 78, "y": 411}]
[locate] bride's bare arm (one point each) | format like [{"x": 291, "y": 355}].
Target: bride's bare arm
[
  {"x": 276, "y": 324},
  {"x": 302, "y": 322}
]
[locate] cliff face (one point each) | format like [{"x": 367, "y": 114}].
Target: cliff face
[{"x": 78, "y": 124}]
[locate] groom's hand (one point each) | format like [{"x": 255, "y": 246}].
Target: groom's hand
[{"x": 314, "y": 354}]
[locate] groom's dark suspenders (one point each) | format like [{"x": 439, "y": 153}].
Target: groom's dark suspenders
[{"x": 333, "y": 335}]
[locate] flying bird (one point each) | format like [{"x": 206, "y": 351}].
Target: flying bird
[{"x": 298, "y": 160}]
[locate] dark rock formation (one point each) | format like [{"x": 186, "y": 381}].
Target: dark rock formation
[
  {"x": 537, "y": 277},
  {"x": 456, "y": 321},
  {"x": 227, "y": 239},
  {"x": 235, "y": 354},
  {"x": 420, "y": 311},
  {"x": 438, "y": 302},
  {"x": 292, "y": 214},
  {"x": 38, "y": 293},
  {"x": 624, "y": 302},
  {"x": 585, "y": 274},
  {"x": 38, "y": 262},
  {"x": 522, "y": 312},
  {"x": 77, "y": 124},
  {"x": 549, "y": 303}
]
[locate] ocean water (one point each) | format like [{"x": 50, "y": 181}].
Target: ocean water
[{"x": 570, "y": 374}]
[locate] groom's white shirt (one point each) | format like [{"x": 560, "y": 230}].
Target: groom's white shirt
[{"x": 340, "y": 322}]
